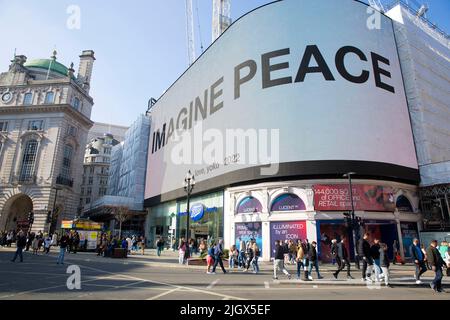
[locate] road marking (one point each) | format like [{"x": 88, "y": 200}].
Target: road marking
[
  {"x": 168, "y": 284},
  {"x": 266, "y": 285},
  {"x": 162, "y": 294},
  {"x": 212, "y": 284}
]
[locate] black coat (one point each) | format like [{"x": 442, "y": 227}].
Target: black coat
[
  {"x": 342, "y": 251},
  {"x": 375, "y": 251},
  {"x": 21, "y": 241},
  {"x": 312, "y": 254},
  {"x": 434, "y": 257},
  {"x": 279, "y": 252},
  {"x": 364, "y": 248}
]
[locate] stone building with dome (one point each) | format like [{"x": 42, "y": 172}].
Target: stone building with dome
[{"x": 45, "y": 111}]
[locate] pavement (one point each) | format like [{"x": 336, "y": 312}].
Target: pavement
[{"x": 151, "y": 277}]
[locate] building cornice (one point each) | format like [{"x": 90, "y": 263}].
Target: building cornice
[{"x": 48, "y": 108}]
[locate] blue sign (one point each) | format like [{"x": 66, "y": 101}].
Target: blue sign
[{"x": 197, "y": 212}]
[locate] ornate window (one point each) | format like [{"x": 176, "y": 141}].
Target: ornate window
[
  {"x": 249, "y": 205},
  {"x": 28, "y": 98},
  {"x": 287, "y": 202},
  {"x": 49, "y": 97},
  {"x": 403, "y": 204},
  {"x": 67, "y": 161},
  {"x": 28, "y": 160}
]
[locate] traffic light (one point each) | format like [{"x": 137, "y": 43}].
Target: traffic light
[{"x": 49, "y": 216}]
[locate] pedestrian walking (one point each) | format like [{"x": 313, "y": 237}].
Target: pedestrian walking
[
  {"x": 9, "y": 239},
  {"x": 278, "y": 262},
  {"x": 419, "y": 260},
  {"x": 375, "y": 253},
  {"x": 35, "y": 245},
  {"x": 21, "y": 243},
  {"x": 447, "y": 260},
  {"x": 159, "y": 246},
  {"x": 248, "y": 255},
  {"x": 384, "y": 263},
  {"x": 299, "y": 258},
  {"x": 129, "y": 244},
  {"x": 210, "y": 258},
  {"x": 313, "y": 261},
  {"x": 181, "y": 251},
  {"x": 256, "y": 255},
  {"x": 233, "y": 256},
  {"x": 76, "y": 242},
  {"x": 306, "y": 248},
  {"x": 342, "y": 259},
  {"x": 143, "y": 245},
  {"x": 47, "y": 244},
  {"x": 218, "y": 253},
  {"x": 333, "y": 251},
  {"x": 366, "y": 257},
  {"x": 241, "y": 257},
  {"x": 436, "y": 263},
  {"x": 63, "y": 243},
  {"x": 30, "y": 237}
]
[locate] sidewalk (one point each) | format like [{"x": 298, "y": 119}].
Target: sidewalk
[{"x": 401, "y": 275}]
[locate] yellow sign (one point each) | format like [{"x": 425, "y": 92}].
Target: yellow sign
[{"x": 66, "y": 224}]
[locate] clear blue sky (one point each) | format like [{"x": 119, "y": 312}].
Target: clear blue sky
[{"x": 140, "y": 45}]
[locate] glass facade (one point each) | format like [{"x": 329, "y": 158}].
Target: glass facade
[{"x": 168, "y": 220}]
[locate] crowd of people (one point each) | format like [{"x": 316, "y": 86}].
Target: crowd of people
[{"x": 131, "y": 244}]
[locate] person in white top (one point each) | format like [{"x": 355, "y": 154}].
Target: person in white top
[{"x": 130, "y": 244}]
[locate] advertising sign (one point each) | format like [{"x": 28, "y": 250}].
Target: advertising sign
[
  {"x": 409, "y": 233},
  {"x": 197, "y": 212},
  {"x": 289, "y": 230},
  {"x": 335, "y": 87},
  {"x": 247, "y": 231},
  {"x": 365, "y": 197}
]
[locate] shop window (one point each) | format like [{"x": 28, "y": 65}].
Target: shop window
[
  {"x": 249, "y": 205},
  {"x": 287, "y": 202}
]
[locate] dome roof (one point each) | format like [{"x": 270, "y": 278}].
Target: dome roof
[{"x": 46, "y": 63}]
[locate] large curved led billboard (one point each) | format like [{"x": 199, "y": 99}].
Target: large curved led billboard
[{"x": 294, "y": 88}]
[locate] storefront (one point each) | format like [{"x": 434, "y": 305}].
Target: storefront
[{"x": 314, "y": 210}]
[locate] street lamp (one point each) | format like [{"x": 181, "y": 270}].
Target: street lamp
[
  {"x": 53, "y": 210},
  {"x": 352, "y": 218},
  {"x": 189, "y": 183}
]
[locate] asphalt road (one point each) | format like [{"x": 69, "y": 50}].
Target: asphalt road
[{"x": 39, "y": 277}]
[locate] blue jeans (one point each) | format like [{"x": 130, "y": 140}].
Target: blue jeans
[
  {"x": 18, "y": 253},
  {"x": 232, "y": 262},
  {"x": 241, "y": 259},
  {"x": 314, "y": 264},
  {"x": 437, "y": 281},
  {"x": 255, "y": 264},
  {"x": 300, "y": 265},
  {"x": 158, "y": 251},
  {"x": 62, "y": 251}
]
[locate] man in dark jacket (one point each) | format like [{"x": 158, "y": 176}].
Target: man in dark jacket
[
  {"x": 278, "y": 260},
  {"x": 366, "y": 257},
  {"x": 313, "y": 260},
  {"x": 419, "y": 260},
  {"x": 218, "y": 252},
  {"x": 436, "y": 263},
  {"x": 342, "y": 259},
  {"x": 21, "y": 243},
  {"x": 63, "y": 243}
]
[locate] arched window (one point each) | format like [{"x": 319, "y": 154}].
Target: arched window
[
  {"x": 287, "y": 202},
  {"x": 403, "y": 204},
  {"x": 49, "y": 97},
  {"x": 249, "y": 205},
  {"x": 67, "y": 161},
  {"x": 28, "y": 98},
  {"x": 28, "y": 160}
]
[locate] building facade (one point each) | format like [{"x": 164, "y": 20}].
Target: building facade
[
  {"x": 97, "y": 159},
  {"x": 424, "y": 53},
  {"x": 45, "y": 114},
  {"x": 126, "y": 181}
]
